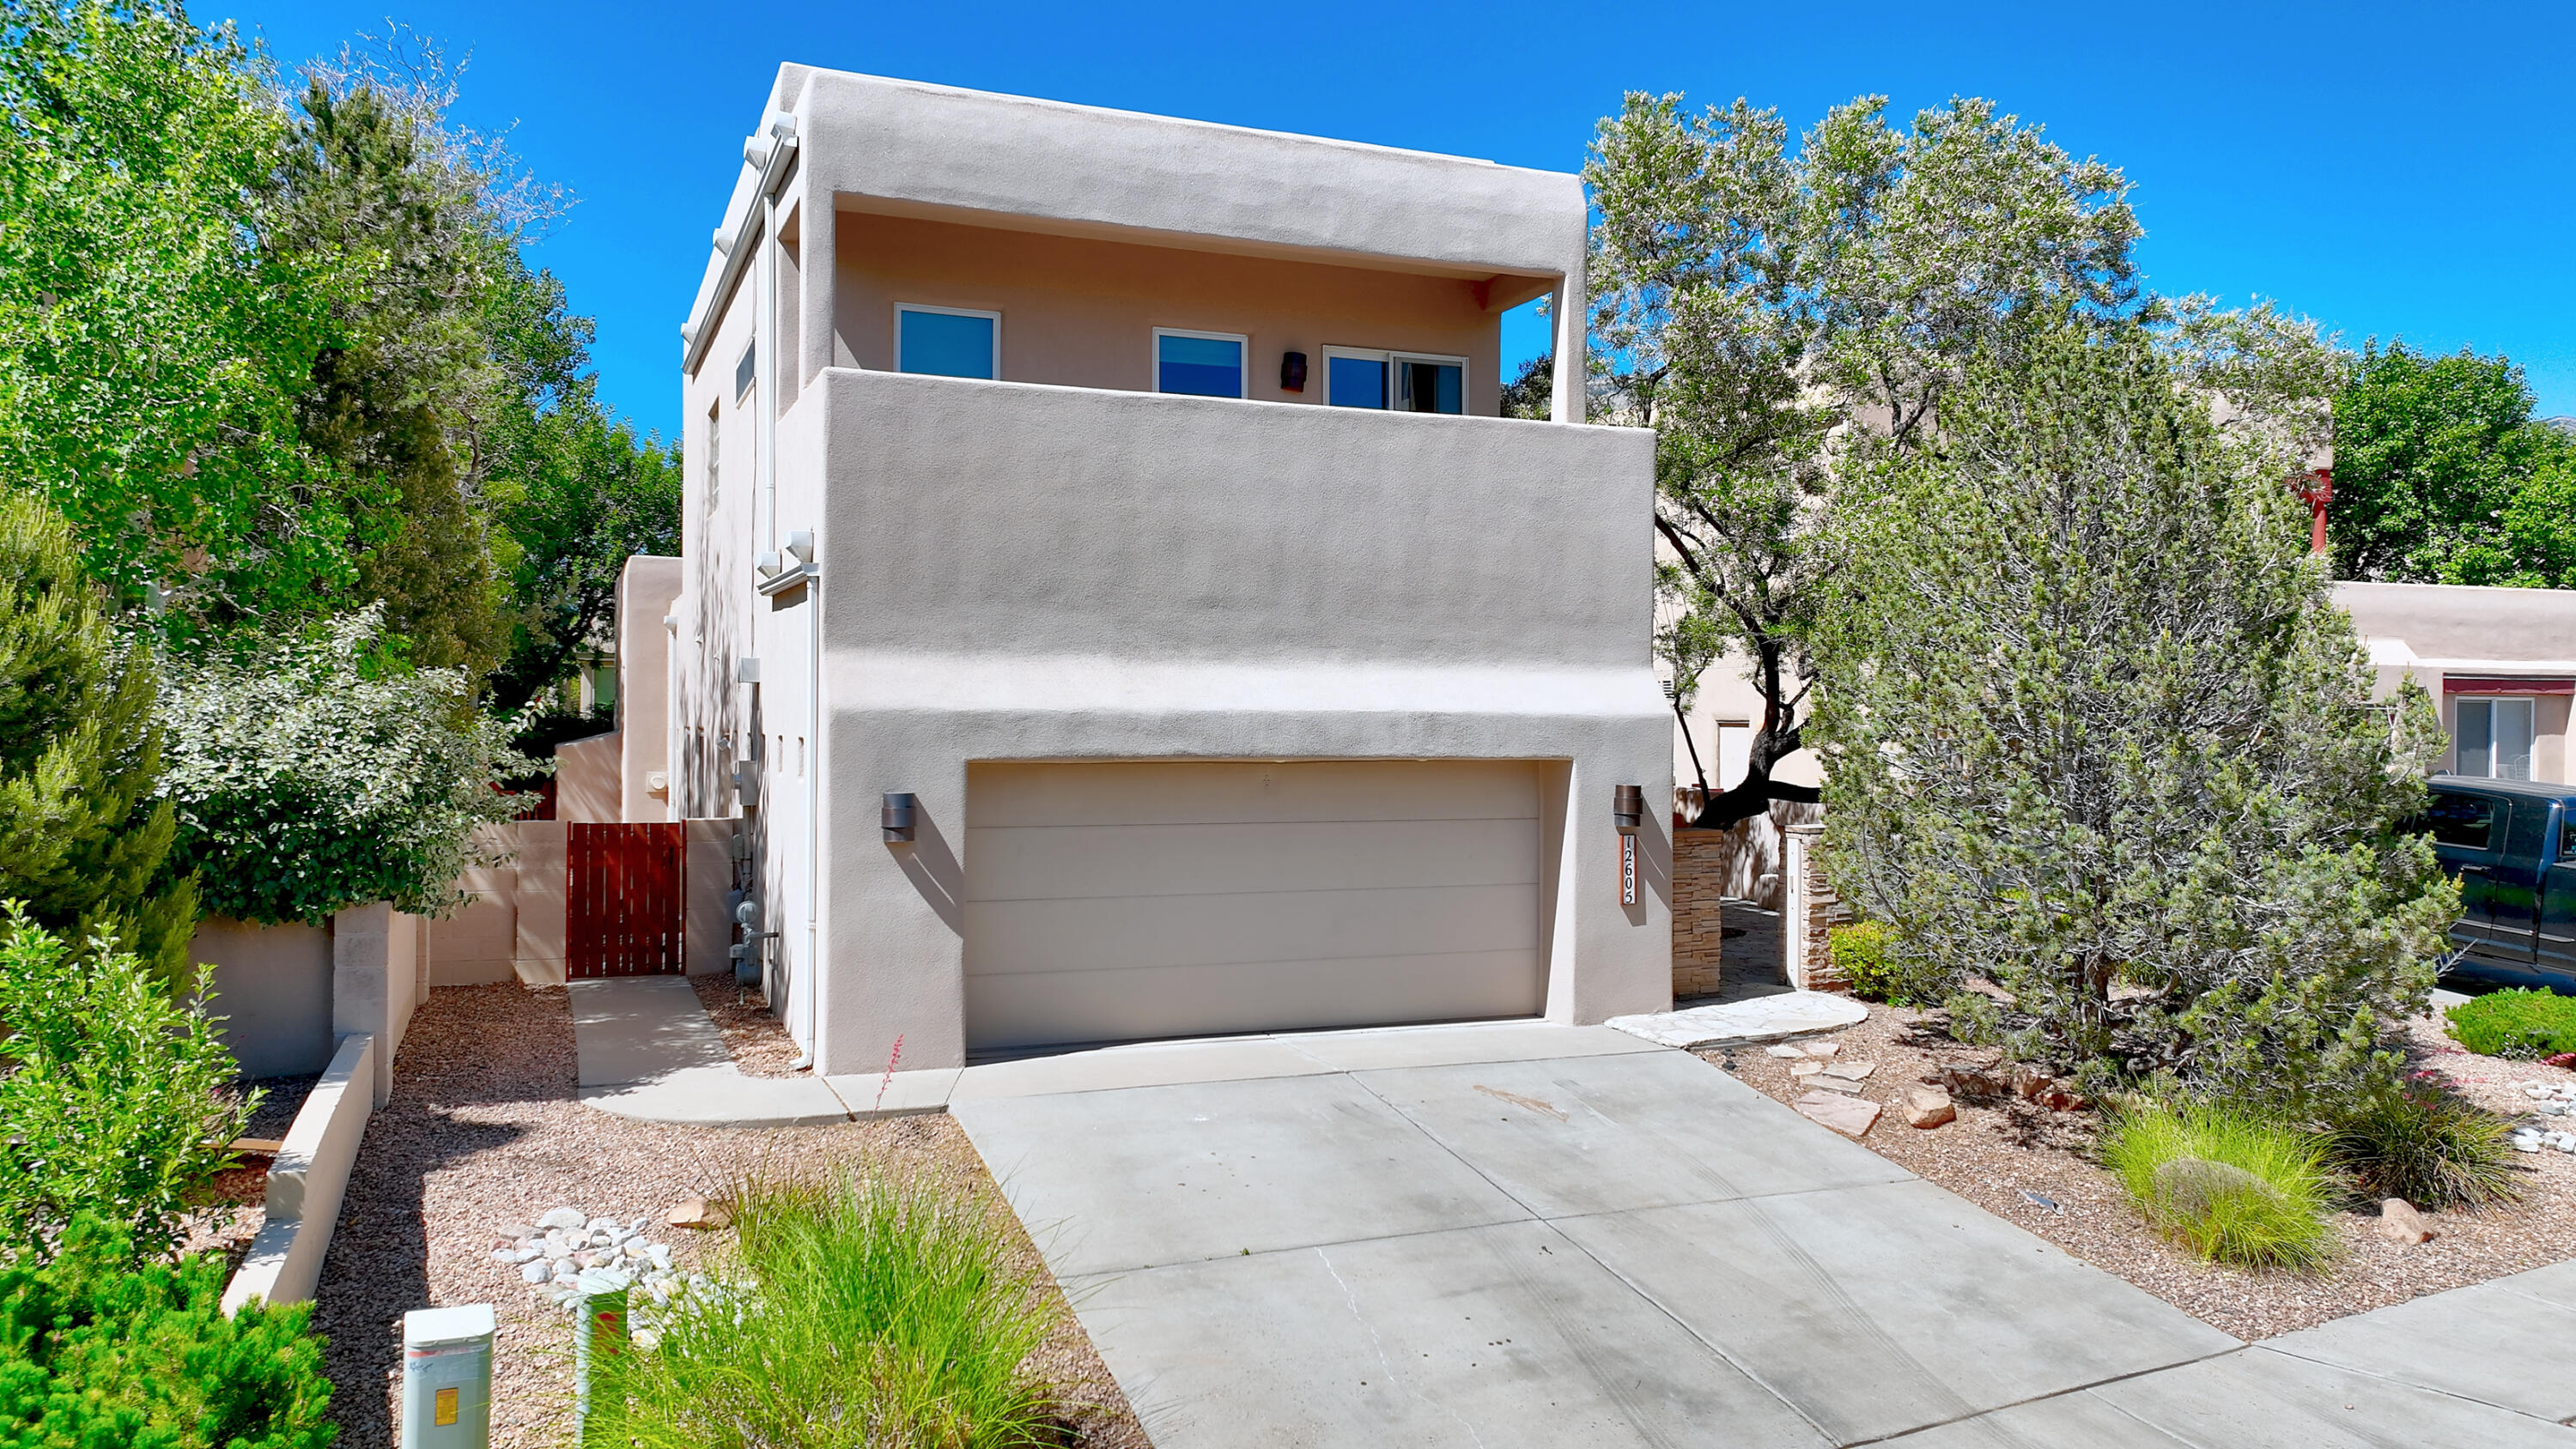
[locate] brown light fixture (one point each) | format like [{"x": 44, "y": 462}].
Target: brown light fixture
[
  {"x": 1628, "y": 808},
  {"x": 1292, "y": 372}
]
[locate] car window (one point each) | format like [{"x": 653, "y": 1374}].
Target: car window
[
  {"x": 2567, "y": 836},
  {"x": 2463, "y": 820}
]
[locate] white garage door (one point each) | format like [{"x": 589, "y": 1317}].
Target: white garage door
[{"x": 1110, "y": 902}]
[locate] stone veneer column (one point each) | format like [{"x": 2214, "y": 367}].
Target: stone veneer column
[{"x": 1699, "y": 885}]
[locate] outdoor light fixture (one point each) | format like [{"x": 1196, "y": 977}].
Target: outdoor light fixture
[
  {"x": 1292, "y": 372},
  {"x": 897, "y": 816},
  {"x": 746, "y": 670},
  {"x": 800, "y": 544},
  {"x": 1628, "y": 808}
]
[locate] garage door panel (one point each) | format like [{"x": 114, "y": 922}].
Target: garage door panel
[
  {"x": 1206, "y": 792},
  {"x": 1134, "y": 899},
  {"x": 1072, "y": 861},
  {"x": 1210, "y": 1000},
  {"x": 1113, "y": 933}
]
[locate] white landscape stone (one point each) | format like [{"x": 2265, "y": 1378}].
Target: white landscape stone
[
  {"x": 563, "y": 1218},
  {"x": 1758, "y": 1019},
  {"x": 1784, "y": 1052}
]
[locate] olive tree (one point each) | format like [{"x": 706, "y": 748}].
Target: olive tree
[
  {"x": 1763, "y": 309},
  {"x": 2100, "y": 740}
]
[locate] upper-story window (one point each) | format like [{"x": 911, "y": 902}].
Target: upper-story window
[
  {"x": 947, "y": 341},
  {"x": 1404, "y": 382},
  {"x": 2494, "y": 738},
  {"x": 1202, "y": 364}
]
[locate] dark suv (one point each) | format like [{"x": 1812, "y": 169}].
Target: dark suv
[{"x": 2512, "y": 845}]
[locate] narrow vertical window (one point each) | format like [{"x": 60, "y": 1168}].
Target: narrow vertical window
[
  {"x": 947, "y": 341},
  {"x": 1200, "y": 364},
  {"x": 715, "y": 453}
]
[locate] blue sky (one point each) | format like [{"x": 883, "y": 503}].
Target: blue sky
[{"x": 2395, "y": 171}]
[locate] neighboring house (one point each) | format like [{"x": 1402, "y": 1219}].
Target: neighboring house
[
  {"x": 1127, "y": 496},
  {"x": 2501, "y": 663}
]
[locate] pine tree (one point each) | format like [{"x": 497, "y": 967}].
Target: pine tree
[
  {"x": 2097, "y": 736},
  {"x": 81, "y": 841}
]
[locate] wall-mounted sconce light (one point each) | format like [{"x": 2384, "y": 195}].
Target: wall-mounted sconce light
[
  {"x": 1628, "y": 813},
  {"x": 746, "y": 670},
  {"x": 897, "y": 816},
  {"x": 800, "y": 544},
  {"x": 1292, "y": 372}
]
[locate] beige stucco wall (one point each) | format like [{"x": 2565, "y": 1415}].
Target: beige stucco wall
[
  {"x": 538, "y": 893},
  {"x": 587, "y": 787},
  {"x": 1058, "y": 573},
  {"x": 1082, "y": 312},
  {"x": 648, "y": 589},
  {"x": 272, "y": 986}
]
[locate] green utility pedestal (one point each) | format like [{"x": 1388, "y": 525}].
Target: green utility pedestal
[{"x": 447, "y": 1378}]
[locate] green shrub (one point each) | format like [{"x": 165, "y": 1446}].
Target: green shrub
[
  {"x": 2229, "y": 1186},
  {"x": 869, "y": 1311},
  {"x": 97, "y": 1352},
  {"x": 1860, "y": 956},
  {"x": 2428, "y": 1146},
  {"x": 114, "y": 1103},
  {"x": 311, "y": 775},
  {"x": 2516, "y": 1023}
]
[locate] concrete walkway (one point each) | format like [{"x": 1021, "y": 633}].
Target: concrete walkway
[
  {"x": 647, "y": 1050},
  {"x": 1532, "y": 1234}
]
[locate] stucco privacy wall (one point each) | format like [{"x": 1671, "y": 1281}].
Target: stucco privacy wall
[
  {"x": 648, "y": 588},
  {"x": 1082, "y": 312},
  {"x": 290, "y": 993},
  {"x": 1024, "y": 572}
]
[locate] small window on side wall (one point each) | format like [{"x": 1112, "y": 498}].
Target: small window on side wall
[
  {"x": 1200, "y": 364},
  {"x": 947, "y": 341},
  {"x": 2494, "y": 738}
]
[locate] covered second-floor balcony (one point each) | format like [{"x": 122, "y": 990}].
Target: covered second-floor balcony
[{"x": 887, "y": 226}]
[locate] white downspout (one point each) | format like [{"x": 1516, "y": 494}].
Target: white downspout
[{"x": 813, "y": 799}]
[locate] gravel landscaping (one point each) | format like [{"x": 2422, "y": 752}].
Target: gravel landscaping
[
  {"x": 2030, "y": 1165},
  {"x": 754, "y": 1035},
  {"x": 484, "y": 1135}
]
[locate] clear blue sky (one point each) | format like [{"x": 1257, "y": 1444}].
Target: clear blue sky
[{"x": 2397, "y": 171}]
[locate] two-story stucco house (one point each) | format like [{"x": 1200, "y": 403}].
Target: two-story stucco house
[{"x": 1126, "y": 496}]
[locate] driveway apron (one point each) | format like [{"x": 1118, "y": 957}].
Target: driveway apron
[{"x": 1481, "y": 1236}]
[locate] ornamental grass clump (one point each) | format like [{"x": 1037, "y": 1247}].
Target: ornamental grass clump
[
  {"x": 2428, "y": 1146},
  {"x": 2517, "y": 1023},
  {"x": 2228, "y": 1185},
  {"x": 884, "y": 1311}
]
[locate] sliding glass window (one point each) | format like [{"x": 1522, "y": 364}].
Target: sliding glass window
[{"x": 1404, "y": 382}]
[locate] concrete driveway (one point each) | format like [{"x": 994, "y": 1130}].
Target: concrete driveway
[{"x": 1522, "y": 1234}]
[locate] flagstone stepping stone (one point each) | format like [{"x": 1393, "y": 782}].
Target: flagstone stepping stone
[
  {"x": 1851, "y": 1116},
  {"x": 1743, "y": 1023}
]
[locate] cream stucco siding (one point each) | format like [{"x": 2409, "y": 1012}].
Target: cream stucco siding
[{"x": 1062, "y": 571}]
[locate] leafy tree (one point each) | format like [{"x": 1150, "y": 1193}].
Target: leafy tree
[
  {"x": 1763, "y": 309},
  {"x": 2432, "y": 458},
  {"x": 151, "y": 351},
  {"x": 369, "y": 180},
  {"x": 113, "y": 1104},
  {"x": 578, "y": 494},
  {"x": 82, "y": 843},
  {"x": 2099, "y": 738},
  {"x": 308, "y": 777}
]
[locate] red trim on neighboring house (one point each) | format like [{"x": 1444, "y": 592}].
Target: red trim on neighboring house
[{"x": 2488, "y": 684}]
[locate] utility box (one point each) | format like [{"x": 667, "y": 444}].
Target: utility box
[{"x": 447, "y": 1378}]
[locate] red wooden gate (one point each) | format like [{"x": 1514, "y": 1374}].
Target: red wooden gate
[{"x": 622, "y": 906}]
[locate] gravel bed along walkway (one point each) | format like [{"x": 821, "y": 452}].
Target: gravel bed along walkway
[
  {"x": 483, "y": 1133},
  {"x": 1997, "y": 1154},
  {"x": 758, "y": 1040}
]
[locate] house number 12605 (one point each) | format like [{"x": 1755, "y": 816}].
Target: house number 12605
[{"x": 1627, "y": 870}]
